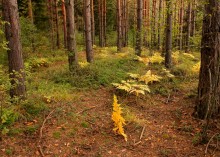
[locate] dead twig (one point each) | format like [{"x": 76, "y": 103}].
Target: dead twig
[
  {"x": 206, "y": 149},
  {"x": 135, "y": 144},
  {"x": 45, "y": 120},
  {"x": 87, "y": 109},
  {"x": 142, "y": 132},
  {"x": 168, "y": 99},
  {"x": 40, "y": 150},
  {"x": 41, "y": 132}
]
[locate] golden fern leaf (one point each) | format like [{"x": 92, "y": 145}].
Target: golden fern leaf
[
  {"x": 149, "y": 77},
  {"x": 117, "y": 118}
]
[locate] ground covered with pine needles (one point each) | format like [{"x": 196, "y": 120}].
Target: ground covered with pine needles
[{"x": 70, "y": 114}]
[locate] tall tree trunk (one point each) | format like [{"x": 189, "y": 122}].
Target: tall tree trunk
[
  {"x": 208, "y": 103},
  {"x": 30, "y": 11},
  {"x": 159, "y": 24},
  {"x": 168, "y": 58},
  {"x": 92, "y": 22},
  {"x": 181, "y": 25},
  {"x": 193, "y": 23},
  {"x": 57, "y": 25},
  {"x": 15, "y": 59},
  {"x": 71, "y": 39},
  {"x": 104, "y": 22},
  {"x": 88, "y": 34},
  {"x": 139, "y": 27},
  {"x": 119, "y": 26},
  {"x": 51, "y": 15},
  {"x": 153, "y": 19},
  {"x": 64, "y": 24},
  {"x": 188, "y": 27}
]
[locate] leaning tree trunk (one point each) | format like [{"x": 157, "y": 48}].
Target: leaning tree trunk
[
  {"x": 88, "y": 33},
  {"x": 139, "y": 27},
  {"x": 209, "y": 78},
  {"x": 71, "y": 39},
  {"x": 168, "y": 44},
  {"x": 16, "y": 65}
]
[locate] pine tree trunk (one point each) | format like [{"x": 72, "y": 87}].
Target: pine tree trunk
[
  {"x": 139, "y": 28},
  {"x": 71, "y": 39},
  {"x": 88, "y": 33},
  {"x": 64, "y": 24},
  {"x": 57, "y": 25},
  {"x": 208, "y": 103},
  {"x": 153, "y": 19},
  {"x": 159, "y": 25},
  {"x": 119, "y": 26},
  {"x": 92, "y": 22},
  {"x": 15, "y": 59},
  {"x": 30, "y": 11},
  {"x": 181, "y": 26},
  {"x": 51, "y": 16},
  {"x": 187, "y": 49},
  {"x": 168, "y": 47}
]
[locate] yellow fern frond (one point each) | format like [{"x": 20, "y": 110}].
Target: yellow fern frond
[
  {"x": 117, "y": 118},
  {"x": 83, "y": 64},
  {"x": 196, "y": 67},
  {"x": 156, "y": 58},
  {"x": 149, "y": 78},
  {"x": 189, "y": 55}
]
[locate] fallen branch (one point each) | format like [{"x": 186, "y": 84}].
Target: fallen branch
[
  {"x": 142, "y": 132},
  {"x": 86, "y": 109},
  {"x": 206, "y": 150}
]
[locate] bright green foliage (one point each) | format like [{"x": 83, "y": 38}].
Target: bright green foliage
[{"x": 117, "y": 118}]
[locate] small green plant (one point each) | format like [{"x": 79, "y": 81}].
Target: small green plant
[
  {"x": 85, "y": 124},
  {"x": 56, "y": 135}
]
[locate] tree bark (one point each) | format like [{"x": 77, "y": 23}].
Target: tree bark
[
  {"x": 88, "y": 33},
  {"x": 16, "y": 65},
  {"x": 153, "y": 19},
  {"x": 208, "y": 103},
  {"x": 181, "y": 25},
  {"x": 30, "y": 11},
  {"x": 168, "y": 47},
  {"x": 71, "y": 39},
  {"x": 64, "y": 24},
  {"x": 119, "y": 26},
  {"x": 57, "y": 25},
  {"x": 159, "y": 25},
  {"x": 139, "y": 28},
  {"x": 92, "y": 22},
  {"x": 187, "y": 49}
]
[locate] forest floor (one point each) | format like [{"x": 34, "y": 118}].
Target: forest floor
[{"x": 77, "y": 121}]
